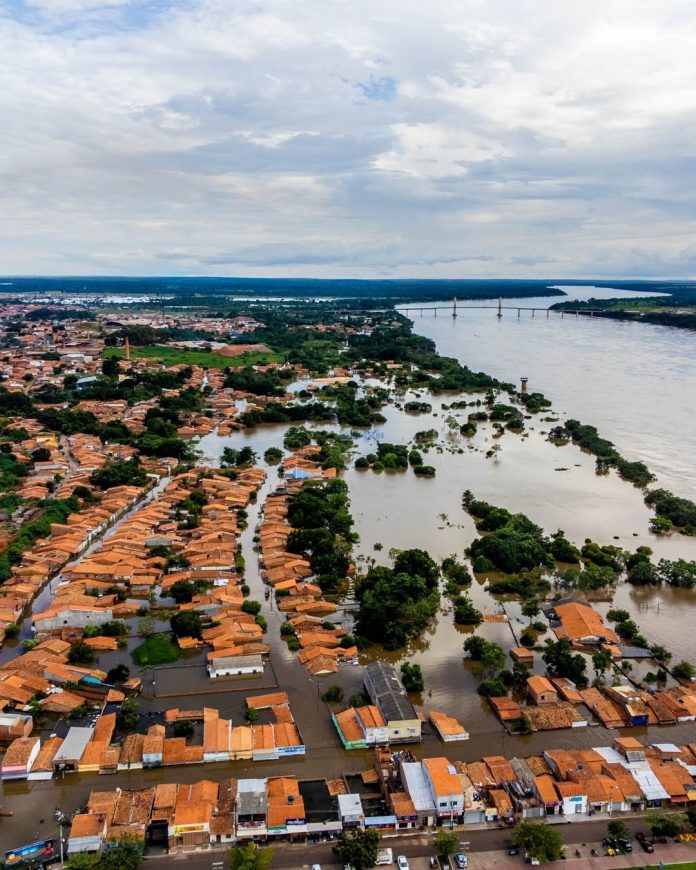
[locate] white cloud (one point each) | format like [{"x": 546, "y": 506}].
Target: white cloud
[{"x": 343, "y": 137}]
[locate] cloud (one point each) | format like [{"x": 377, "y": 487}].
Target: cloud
[{"x": 340, "y": 138}]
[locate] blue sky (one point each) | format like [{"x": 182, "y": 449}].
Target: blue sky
[{"x": 457, "y": 138}]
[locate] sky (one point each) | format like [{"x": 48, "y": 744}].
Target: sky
[{"x": 343, "y": 138}]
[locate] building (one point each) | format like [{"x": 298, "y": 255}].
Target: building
[
  {"x": 541, "y": 691},
  {"x": 252, "y": 809},
  {"x": 68, "y": 757},
  {"x": 445, "y": 789},
  {"x": 415, "y": 783},
  {"x": 75, "y": 616},
  {"x": 87, "y": 833},
  {"x": 350, "y": 811},
  {"x": 13, "y": 725},
  {"x": 386, "y": 691},
  {"x": 19, "y": 758},
  {"x": 583, "y": 626},
  {"x": 223, "y": 664}
]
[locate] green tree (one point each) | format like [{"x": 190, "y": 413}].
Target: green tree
[
  {"x": 81, "y": 861},
  {"x": 273, "y": 455},
  {"x": 417, "y": 563},
  {"x": 465, "y": 611},
  {"x": 128, "y": 715},
  {"x": 127, "y": 473},
  {"x": 412, "y": 677},
  {"x": 187, "y": 624},
  {"x": 333, "y": 693},
  {"x": 684, "y": 671},
  {"x": 358, "y": 849},
  {"x": 111, "y": 367},
  {"x": 531, "y": 608},
  {"x": 252, "y": 715},
  {"x": 539, "y": 840},
  {"x": 119, "y": 674},
  {"x": 126, "y": 854},
  {"x": 601, "y": 661},
  {"x": 146, "y": 627},
  {"x": 617, "y": 829},
  {"x": 660, "y": 654},
  {"x": 182, "y": 591},
  {"x": 666, "y": 824},
  {"x": 183, "y": 728},
  {"x": 250, "y": 857},
  {"x": 228, "y": 457},
  {"x": 445, "y": 843},
  {"x": 493, "y": 687},
  {"x": 560, "y": 659},
  {"x": 492, "y": 658},
  {"x": 81, "y": 654}
]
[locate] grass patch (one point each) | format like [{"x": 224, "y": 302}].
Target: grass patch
[
  {"x": 182, "y": 356},
  {"x": 156, "y": 650}
]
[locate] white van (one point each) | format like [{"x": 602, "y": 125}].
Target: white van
[{"x": 385, "y": 856}]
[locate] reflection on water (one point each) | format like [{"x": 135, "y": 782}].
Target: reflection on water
[
  {"x": 629, "y": 380},
  {"x": 398, "y": 509},
  {"x": 633, "y": 381}
]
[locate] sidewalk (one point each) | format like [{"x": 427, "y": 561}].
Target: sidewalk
[{"x": 670, "y": 854}]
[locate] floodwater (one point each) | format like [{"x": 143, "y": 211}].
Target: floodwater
[
  {"x": 632, "y": 381},
  {"x": 610, "y": 374}
]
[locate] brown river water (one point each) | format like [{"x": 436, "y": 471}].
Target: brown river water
[{"x": 634, "y": 382}]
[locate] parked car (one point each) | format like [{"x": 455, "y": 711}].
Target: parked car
[
  {"x": 644, "y": 843},
  {"x": 625, "y": 844},
  {"x": 316, "y": 866},
  {"x": 433, "y": 863},
  {"x": 461, "y": 860},
  {"x": 401, "y": 862}
]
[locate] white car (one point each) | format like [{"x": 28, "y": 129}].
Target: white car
[
  {"x": 316, "y": 866},
  {"x": 401, "y": 862}
]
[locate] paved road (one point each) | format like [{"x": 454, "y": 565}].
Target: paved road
[{"x": 490, "y": 844}]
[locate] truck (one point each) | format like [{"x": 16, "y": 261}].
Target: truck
[{"x": 385, "y": 856}]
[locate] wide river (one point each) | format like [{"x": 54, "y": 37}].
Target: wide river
[{"x": 635, "y": 382}]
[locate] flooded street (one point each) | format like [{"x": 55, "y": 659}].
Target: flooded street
[
  {"x": 632, "y": 382},
  {"x": 557, "y": 487}
]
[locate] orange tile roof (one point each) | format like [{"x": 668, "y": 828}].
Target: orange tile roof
[{"x": 442, "y": 776}]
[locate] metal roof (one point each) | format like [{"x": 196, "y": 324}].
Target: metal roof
[
  {"x": 417, "y": 786},
  {"x": 350, "y": 805},
  {"x": 386, "y": 691},
  {"x": 609, "y": 754},
  {"x": 645, "y": 777},
  {"x": 74, "y": 745}
]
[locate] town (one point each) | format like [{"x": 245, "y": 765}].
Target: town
[{"x": 183, "y": 583}]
